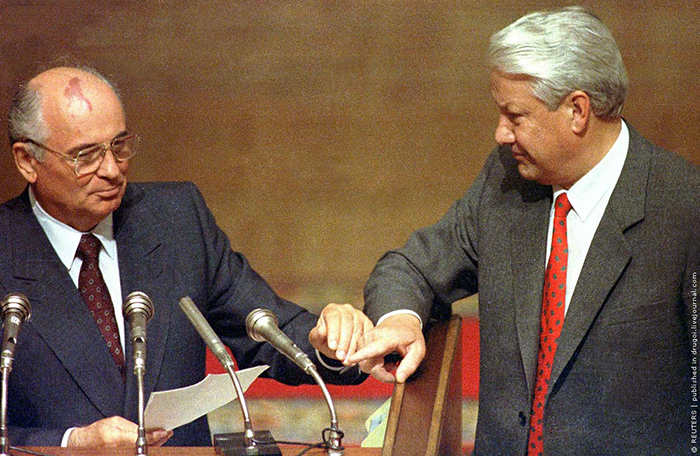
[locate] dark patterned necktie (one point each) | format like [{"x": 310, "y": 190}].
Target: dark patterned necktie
[
  {"x": 96, "y": 296},
  {"x": 553, "y": 305}
]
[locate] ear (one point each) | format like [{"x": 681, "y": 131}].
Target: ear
[
  {"x": 579, "y": 111},
  {"x": 25, "y": 161}
]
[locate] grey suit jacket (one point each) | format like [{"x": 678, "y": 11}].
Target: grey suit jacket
[
  {"x": 168, "y": 246},
  {"x": 621, "y": 380}
]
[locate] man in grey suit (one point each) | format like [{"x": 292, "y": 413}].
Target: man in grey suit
[
  {"x": 71, "y": 383},
  {"x": 588, "y": 307}
]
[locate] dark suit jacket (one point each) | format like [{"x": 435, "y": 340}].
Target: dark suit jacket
[
  {"x": 169, "y": 246},
  {"x": 621, "y": 380}
]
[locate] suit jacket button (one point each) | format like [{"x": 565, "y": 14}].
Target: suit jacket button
[{"x": 522, "y": 418}]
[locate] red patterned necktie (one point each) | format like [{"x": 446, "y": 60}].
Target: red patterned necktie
[
  {"x": 96, "y": 296},
  {"x": 553, "y": 302}
]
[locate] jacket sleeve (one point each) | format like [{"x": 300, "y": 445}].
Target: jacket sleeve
[
  {"x": 437, "y": 265},
  {"x": 233, "y": 289}
]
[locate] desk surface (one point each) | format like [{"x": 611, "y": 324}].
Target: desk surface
[{"x": 287, "y": 450}]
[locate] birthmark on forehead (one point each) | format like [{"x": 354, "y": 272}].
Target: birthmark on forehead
[{"x": 78, "y": 104}]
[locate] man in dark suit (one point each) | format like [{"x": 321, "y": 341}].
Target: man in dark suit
[
  {"x": 583, "y": 242},
  {"x": 71, "y": 382}
]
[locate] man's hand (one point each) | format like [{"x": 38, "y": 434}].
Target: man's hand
[
  {"x": 114, "y": 432},
  {"x": 338, "y": 330},
  {"x": 397, "y": 334}
]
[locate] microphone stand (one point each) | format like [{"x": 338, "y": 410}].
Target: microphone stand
[
  {"x": 248, "y": 433},
  {"x": 335, "y": 447},
  {"x": 248, "y": 442},
  {"x": 138, "y": 310},
  {"x": 15, "y": 310},
  {"x": 4, "y": 439},
  {"x": 141, "y": 442},
  {"x": 262, "y": 325}
]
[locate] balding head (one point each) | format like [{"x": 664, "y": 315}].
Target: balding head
[{"x": 55, "y": 98}]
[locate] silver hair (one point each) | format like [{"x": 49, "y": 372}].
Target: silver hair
[
  {"x": 25, "y": 119},
  {"x": 563, "y": 51}
]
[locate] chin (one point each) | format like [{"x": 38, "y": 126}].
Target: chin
[
  {"x": 105, "y": 207},
  {"x": 114, "y": 204},
  {"x": 528, "y": 172}
]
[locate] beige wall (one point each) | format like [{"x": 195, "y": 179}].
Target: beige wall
[{"x": 322, "y": 133}]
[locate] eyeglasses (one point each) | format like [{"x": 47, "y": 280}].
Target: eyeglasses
[{"x": 88, "y": 160}]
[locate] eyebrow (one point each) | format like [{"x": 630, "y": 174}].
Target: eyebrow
[
  {"x": 501, "y": 105},
  {"x": 78, "y": 148},
  {"x": 512, "y": 108}
]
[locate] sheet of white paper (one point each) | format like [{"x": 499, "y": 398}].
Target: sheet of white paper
[{"x": 173, "y": 408}]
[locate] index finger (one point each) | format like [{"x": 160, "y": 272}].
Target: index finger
[
  {"x": 331, "y": 319},
  {"x": 374, "y": 349}
]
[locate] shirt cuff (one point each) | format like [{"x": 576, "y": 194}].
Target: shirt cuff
[
  {"x": 66, "y": 436},
  {"x": 399, "y": 312}
]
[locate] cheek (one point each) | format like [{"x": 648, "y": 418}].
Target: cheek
[
  {"x": 539, "y": 141},
  {"x": 59, "y": 186},
  {"x": 527, "y": 138}
]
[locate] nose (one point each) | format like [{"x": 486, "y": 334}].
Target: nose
[
  {"x": 504, "y": 131},
  {"x": 109, "y": 168}
]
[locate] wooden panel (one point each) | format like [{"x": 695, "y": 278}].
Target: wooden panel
[{"x": 425, "y": 417}]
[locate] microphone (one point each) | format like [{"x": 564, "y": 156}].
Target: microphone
[
  {"x": 262, "y": 326},
  {"x": 138, "y": 310},
  {"x": 248, "y": 442},
  {"x": 205, "y": 331},
  {"x": 15, "y": 310}
]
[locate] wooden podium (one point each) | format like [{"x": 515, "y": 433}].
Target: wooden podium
[{"x": 425, "y": 417}]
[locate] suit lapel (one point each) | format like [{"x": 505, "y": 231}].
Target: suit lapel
[
  {"x": 59, "y": 314},
  {"x": 529, "y": 251},
  {"x": 141, "y": 267},
  {"x": 608, "y": 254}
]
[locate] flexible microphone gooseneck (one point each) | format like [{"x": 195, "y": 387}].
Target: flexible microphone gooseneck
[
  {"x": 262, "y": 326},
  {"x": 138, "y": 310},
  {"x": 15, "y": 310},
  {"x": 249, "y": 442}
]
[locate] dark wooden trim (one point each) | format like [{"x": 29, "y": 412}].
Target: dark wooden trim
[{"x": 425, "y": 417}]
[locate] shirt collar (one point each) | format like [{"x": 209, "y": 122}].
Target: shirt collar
[
  {"x": 65, "y": 239},
  {"x": 588, "y": 191}
]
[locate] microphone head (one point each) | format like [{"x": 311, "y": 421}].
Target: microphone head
[
  {"x": 138, "y": 302},
  {"x": 16, "y": 303},
  {"x": 258, "y": 318}
]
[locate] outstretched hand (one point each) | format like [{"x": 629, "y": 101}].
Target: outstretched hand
[
  {"x": 400, "y": 334},
  {"x": 338, "y": 330}
]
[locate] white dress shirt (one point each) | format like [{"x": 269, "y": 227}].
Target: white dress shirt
[{"x": 589, "y": 197}]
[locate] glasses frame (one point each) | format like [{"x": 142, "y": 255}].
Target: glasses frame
[{"x": 103, "y": 146}]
